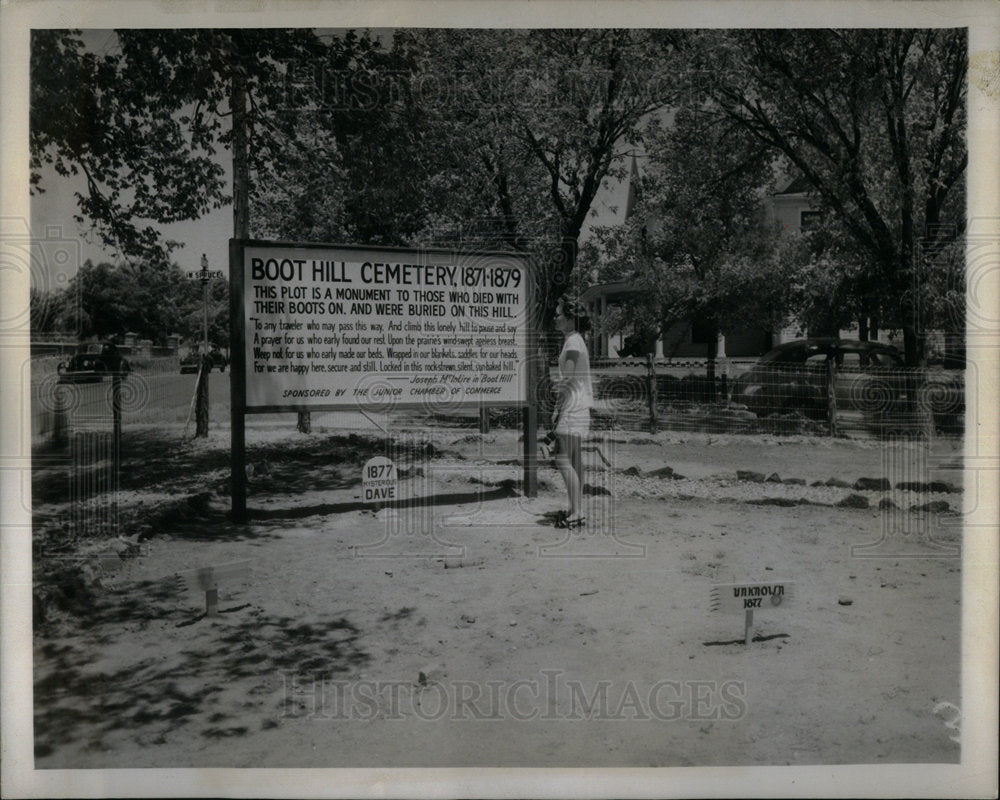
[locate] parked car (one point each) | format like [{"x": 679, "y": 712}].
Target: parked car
[
  {"x": 637, "y": 345},
  {"x": 216, "y": 358},
  {"x": 869, "y": 377},
  {"x": 91, "y": 362}
]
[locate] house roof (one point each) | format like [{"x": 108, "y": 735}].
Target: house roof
[
  {"x": 609, "y": 290},
  {"x": 797, "y": 185}
]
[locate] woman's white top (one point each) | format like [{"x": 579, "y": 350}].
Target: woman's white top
[{"x": 574, "y": 391}]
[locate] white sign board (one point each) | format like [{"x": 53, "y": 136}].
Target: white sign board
[
  {"x": 379, "y": 480},
  {"x": 349, "y": 327},
  {"x": 740, "y": 597}
]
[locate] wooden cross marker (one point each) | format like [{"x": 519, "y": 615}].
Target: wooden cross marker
[{"x": 207, "y": 580}]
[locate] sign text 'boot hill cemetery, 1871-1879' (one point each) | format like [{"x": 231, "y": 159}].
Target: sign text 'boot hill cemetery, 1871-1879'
[{"x": 435, "y": 326}]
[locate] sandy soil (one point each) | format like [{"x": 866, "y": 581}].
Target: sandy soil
[{"x": 467, "y": 630}]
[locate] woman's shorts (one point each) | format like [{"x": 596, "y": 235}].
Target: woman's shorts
[{"x": 574, "y": 421}]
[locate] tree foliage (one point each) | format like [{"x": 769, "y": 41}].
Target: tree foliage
[
  {"x": 875, "y": 120},
  {"x": 489, "y": 138},
  {"x": 485, "y": 138},
  {"x": 106, "y": 301},
  {"x": 144, "y": 122},
  {"x": 576, "y": 102}
]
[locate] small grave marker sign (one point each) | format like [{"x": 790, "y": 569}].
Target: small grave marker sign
[
  {"x": 207, "y": 580},
  {"x": 732, "y": 598},
  {"x": 379, "y": 481}
]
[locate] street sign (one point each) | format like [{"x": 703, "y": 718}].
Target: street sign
[{"x": 215, "y": 273}]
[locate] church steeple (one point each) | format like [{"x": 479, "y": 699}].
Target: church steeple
[{"x": 633, "y": 188}]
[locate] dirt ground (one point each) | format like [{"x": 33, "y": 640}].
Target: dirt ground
[{"x": 466, "y": 630}]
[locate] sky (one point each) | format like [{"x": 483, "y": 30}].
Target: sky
[{"x": 53, "y": 212}]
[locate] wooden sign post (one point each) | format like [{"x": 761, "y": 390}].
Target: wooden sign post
[
  {"x": 359, "y": 328},
  {"x": 207, "y": 580},
  {"x": 735, "y": 598}
]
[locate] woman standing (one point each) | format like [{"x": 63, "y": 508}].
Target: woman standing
[{"x": 574, "y": 399}]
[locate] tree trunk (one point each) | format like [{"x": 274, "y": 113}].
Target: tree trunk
[
  {"x": 561, "y": 273},
  {"x": 713, "y": 352}
]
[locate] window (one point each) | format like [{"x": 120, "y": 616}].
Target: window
[
  {"x": 808, "y": 220},
  {"x": 849, "y": 361}
]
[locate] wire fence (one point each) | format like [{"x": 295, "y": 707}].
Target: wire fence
[
  {"x": 818, "y": 399},
  {"x": 745, "y": 398},
  {"x": 154, "y": 391},
  {"x": 736, "y": 398}
]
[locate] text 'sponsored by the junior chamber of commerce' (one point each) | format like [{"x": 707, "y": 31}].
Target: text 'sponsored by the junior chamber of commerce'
[{"x": 322, "y": 325}]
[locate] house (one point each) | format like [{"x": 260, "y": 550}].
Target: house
[{"x": 790, "y": 208}]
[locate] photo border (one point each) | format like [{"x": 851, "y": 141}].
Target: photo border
[{"x": 974, "y": 776}]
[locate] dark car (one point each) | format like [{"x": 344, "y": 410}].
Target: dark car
[
  {"x": 91, "y": 362},
  {"x": 868, "y": 377},
  {"x": 216, "y": 358}
]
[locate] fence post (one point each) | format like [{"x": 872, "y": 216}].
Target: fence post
[
  {"x": 925, "y": 410},
  {"x": 116, "y": 411},
  {"x": 831, "y": 395},
  {"x": 484, "y": 419},
  {"x": 651, "y": 391},
  {"x": 59, "y": 426}
]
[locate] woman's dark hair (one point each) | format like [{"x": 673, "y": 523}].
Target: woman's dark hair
[{"x": 576, "y": 311}]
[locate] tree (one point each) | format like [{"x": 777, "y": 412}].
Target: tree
[
  {"x": 356, "y": 173},
  {"x": 486, "y": 188},
  {"x": 879, "y": 133},
  {"x": 481, "y": 138},
  {"x": 143, "y": 123},
  {"x": 107, "y": 301},
  {"x": 829, "y": 282},
  {"x": 92, "y": 116},
  {"x": 601, "y": 85},
  {"x": 45, "y": 309},
  {"x": 151, "y": 119}
]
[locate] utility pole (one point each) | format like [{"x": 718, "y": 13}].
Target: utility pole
[
  {"x": 241, "y": 230},
  {"x": 204, "y": 297},
  {"x": 201, "y": 412}
]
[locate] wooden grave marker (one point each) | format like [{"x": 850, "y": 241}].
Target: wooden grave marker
[
  {"x": 732, "y": 598},
  {"x": 379, "y": 481},
  {"x": 208, "y": 579}
]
